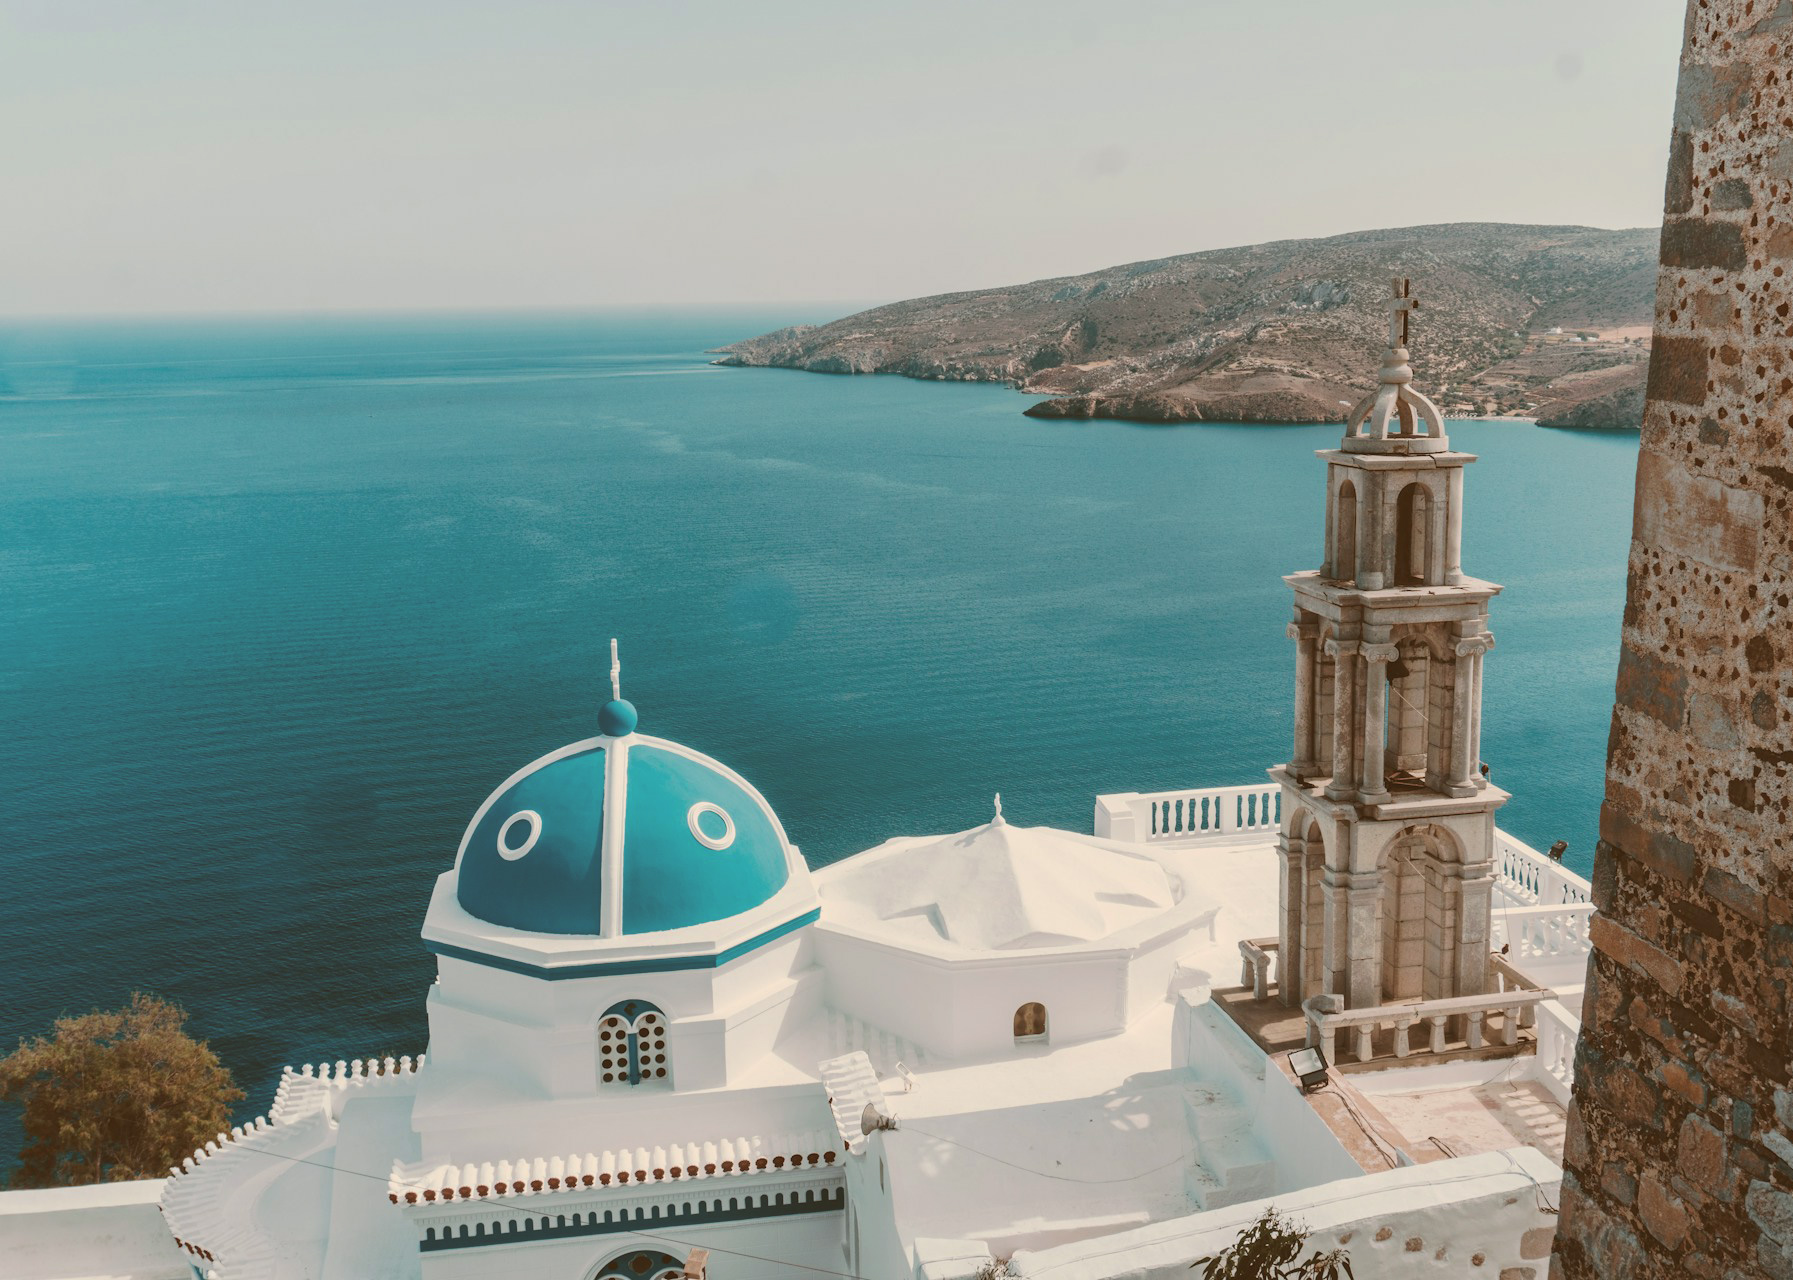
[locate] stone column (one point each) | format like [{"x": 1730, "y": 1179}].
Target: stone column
[
  {"x": 1475, "y": 706},
  {"x": 1469, "y": 709},
  {"x": 1304, "y": 764},
  {"x": 1292, "y": 885},
  {"x": 1371, "y": 554},
  {"x": 1453, "y": 529},
  {"x": 1373, "y": 788},
  {"x": 1475, "y": 899},
  {"x": 1353, "y": 937},
  {"x": 1344, "y": 758},
  {"x": 1460, "y": 782}
]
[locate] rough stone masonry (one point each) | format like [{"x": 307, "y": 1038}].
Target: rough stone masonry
[{"x": 1680, "y": 1145}]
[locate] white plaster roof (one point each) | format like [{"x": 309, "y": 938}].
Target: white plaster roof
[{"x": 998, "y": 887}]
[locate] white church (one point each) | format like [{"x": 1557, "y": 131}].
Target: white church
[{"x": 661, "y": 1046}]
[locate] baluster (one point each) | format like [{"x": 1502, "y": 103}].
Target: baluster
[
  {"x": 1438, "y": 1020},
  {"x": 1365, "y": 1032},
  {"x": 1402, "y": 1046},
  {"x": 1473, "y": 1033}
]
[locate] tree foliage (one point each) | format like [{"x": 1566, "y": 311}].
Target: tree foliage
[
  {"x": 112, "y": 1095},
  {"x": 1270, "y": 1249}
]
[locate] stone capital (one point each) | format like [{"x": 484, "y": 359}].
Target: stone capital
[
  {"x": 1380, "y": 652},
  {"x": 1475, "y": 644},
  {"x": 1342, "y": 648}
]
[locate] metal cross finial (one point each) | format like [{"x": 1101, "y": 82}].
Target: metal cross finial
[
  {"x": 1399, "y": 305},
  {"x": 616, "y": 672}
]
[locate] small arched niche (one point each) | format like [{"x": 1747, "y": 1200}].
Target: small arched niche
[
  {"x": 1030, "y": 1023},
  {"x": 1413, "y": 516},
  {"x": 641, "y": 1264}
]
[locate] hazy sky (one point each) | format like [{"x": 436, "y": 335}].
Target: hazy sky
[{"x": 160, "y": 155}]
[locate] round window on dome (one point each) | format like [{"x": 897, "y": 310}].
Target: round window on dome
[
  {"x": 711, "y": 825},
  {"x": 509, "y": 847}
]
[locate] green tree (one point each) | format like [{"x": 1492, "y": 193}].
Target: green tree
[
  {"x": 112, "y": 1095},
  {"x": 1270, "y": 1249}
]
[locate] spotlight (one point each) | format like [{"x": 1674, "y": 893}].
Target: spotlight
[
  {"x": 1557, "y": 850},
  {"x": 1309, "y": 1066}
]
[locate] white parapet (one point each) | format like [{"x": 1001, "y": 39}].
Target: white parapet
[
  {"x": 1528, "y": 876},
  {"x": 1199, "y": 814},
  {"x": 111, "y": 1229},
  {"x": 1478, "y": 1215}
]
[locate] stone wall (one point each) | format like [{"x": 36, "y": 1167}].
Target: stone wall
[{"x": 1679, "y": 1160}]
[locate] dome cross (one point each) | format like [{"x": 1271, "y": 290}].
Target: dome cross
[{"x": 1399, "y": 306}]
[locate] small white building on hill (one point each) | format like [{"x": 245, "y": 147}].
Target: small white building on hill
[{"x": 661, "y": 1046}]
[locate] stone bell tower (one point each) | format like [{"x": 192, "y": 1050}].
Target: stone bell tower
[{"x": 1387, "y": 838}]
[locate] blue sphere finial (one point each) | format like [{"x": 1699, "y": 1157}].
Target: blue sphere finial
[{"x": 617, "y": 718}]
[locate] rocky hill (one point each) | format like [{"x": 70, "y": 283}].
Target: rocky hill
[{"x": 1289, "y": 331}]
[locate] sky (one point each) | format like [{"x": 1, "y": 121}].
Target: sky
[{"x": 167, "y": 156}]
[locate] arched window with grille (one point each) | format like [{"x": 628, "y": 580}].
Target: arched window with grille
[
  {"x": 1030, "y": 1022},
  {"x": 641, "y": 1264},
  {"x": 632, "y": 1046}
]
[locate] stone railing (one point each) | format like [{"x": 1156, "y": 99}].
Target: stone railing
[
  {"x": 1198, "y": 814},
  {"x": 1558, "y": 1029},
  {"x": 1528, "y": 876},
  {"x": 1325, "y": 1020},
  {"x": 1257, "y": 957},
  {"x": 1542, "y": 931},
  {"x": 198, "y": 1199}
]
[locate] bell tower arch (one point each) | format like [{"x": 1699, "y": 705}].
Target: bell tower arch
[{"x": 1390, "y": 633}]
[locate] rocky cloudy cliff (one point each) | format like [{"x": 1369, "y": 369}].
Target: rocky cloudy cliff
[{"x": 1512, "y": 317}]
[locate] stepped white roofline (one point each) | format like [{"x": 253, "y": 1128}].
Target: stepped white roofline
[{"x": 999, "y": 890}]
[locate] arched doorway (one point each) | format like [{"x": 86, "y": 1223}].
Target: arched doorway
[
  {"x": 632, "y": 1046},
  {"x": 1344, "y": 536},
  {"x": 1030, "y": 1023},
  {"x": 1412, "y": 524}
]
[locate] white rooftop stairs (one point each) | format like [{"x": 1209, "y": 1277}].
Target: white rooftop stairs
[
  {"x": 884, "y": 1050},
  {"x": 1231, "y": 1164}
]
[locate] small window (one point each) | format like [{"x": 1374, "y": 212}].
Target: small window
[
  {"x": 632, "y": 1045},
  {"x": 1030, "y": 1022}
]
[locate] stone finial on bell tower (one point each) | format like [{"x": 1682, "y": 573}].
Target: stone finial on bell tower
[
  {"x": 1388, "y": 828},
  {"x": 1395, "y": 418}
]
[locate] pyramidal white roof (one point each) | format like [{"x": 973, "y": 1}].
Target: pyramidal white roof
[{"x": 999, "y": 887}]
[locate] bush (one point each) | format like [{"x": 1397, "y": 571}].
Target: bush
[
  {"x": 1269, "y": 1249},
  {"x": 114, "y": 1095}
]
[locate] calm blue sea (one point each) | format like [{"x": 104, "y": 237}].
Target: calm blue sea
[{"x": 281, "y": 601}]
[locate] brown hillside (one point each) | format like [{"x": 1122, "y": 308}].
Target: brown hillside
[{"x": 1280, "y": 332}]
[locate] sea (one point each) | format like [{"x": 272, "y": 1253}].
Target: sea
[{"x": 282, "y": 601}]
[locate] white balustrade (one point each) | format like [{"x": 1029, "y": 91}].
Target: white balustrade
[
  {"x": 1258, "y": 965},
  {"x": 1325, "y": 1021},
  {"x": 1529, "y": 877},
  {"x": 1539, "y": 932},
  {"x": 1558, "y": 1029},
  {"x": 1196, "y": 814}
]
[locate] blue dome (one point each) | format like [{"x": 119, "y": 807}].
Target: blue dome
[{"x": 697, "y": 844}]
